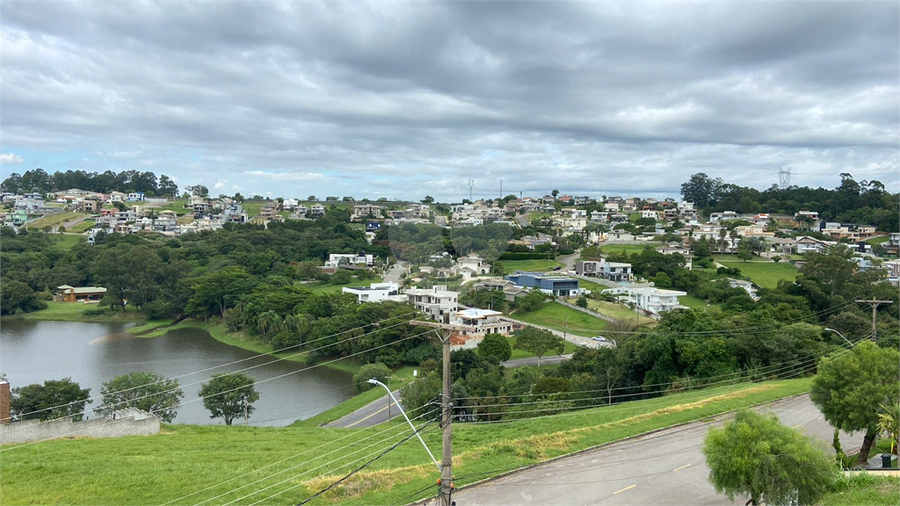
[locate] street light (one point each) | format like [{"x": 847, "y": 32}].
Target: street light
[
  {"x": 376, "y": 382},
  {"x": 842, "y": 335}
]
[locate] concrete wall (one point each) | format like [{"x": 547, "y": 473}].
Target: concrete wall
[{"x": 35, "y": 430}]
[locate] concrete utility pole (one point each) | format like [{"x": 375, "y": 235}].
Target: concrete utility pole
[
  {"x": 446, "y": 482},
  {"x": 875, "y": 304}
]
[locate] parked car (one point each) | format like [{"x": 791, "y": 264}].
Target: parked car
[{"x": 600, "y": 339}]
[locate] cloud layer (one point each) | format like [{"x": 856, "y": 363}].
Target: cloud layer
[{"x": 399, "y": 100}]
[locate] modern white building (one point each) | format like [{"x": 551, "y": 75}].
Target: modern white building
[
  {"x": 335, "y": 259},
  {"x": 376, "y": 292},
  {"x": 435, "y": 302},
  {"x": 650, "y": 299}
]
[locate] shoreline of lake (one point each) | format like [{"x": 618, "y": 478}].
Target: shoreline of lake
[{"x": 92, "y": 353}]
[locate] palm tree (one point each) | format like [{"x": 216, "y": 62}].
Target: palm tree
[
  {"x": 269, "y": 322},
  {"x": 889, "y": 423}
]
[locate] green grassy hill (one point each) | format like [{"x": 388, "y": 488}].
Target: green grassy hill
[{"x": 217, "y": 464}]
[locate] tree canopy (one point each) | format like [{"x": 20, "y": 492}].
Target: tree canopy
[
  {"x": 229, "y": 396},
  {"x": 756, "y": 455},
  {"x": 54, "y": 399},
  {"x": 148, "y": 391},
  {"x": 851, "y": 388},
  {"x": 539, "y": 342}
]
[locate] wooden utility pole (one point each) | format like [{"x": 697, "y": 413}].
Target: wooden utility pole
[
  {"x": 875, "y": 304},
  {"x": 446, "y": 417}
]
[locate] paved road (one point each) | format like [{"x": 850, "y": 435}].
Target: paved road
[
  {"x": 371, "y": 414},
  {"x": 658, "y": 469},
  {"x": 552, "y": 359},
  {"x": 394, "y": 271}
]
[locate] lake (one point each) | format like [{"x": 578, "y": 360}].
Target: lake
[{"x": 93, "y": 353}]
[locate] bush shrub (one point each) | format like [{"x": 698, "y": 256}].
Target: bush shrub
[{"x": 367, "y": 372}]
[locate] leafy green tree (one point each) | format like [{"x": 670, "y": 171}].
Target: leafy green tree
[
  {"x": 149, "y": 391},
  {"x": 16, "y": 296},
  {"x": 229, "y": 396},
  {"x": 495, "y": 348},
  {"x": 702, "y": 190},
  {"x": 54, "y": 399},
  {"x": 756, "y": 455},
  {"x": 744, "y": 251},
  {"x": 539, "y": 342},
  {"x": 531, "y": 302},
  {"x": 218, "y": 290},
  {"x": 367, "y": 372},
  {"x": 414, "y": 396},
  {"x": 850, "y": 389}
]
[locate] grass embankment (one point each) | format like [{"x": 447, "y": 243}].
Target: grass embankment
[
  {"x": 75, "y": 312},
  {"x": 82, "y": 227},
  {"x": 66, "y": 241},
  {"x": 564, "y": 319},
  {"x": 217, "y": 464},
  {"x": 763, "y": 272},
  {"x": 537, "y": 265},
  {"x": 619, "y": 312},
  {"x": 631, "y": 249},
  {"x": 863, "y": 488},
  {"x": 53, "y": 220}
]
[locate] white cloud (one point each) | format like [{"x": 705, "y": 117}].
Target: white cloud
[
  {"x": 220, "y": 184},
  {"x": 10, "y": 159}
]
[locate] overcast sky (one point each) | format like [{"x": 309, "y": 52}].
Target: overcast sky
[{"x": 403, "y": 99}]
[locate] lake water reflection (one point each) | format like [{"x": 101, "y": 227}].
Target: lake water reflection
[{"x": 92, "y": 353}]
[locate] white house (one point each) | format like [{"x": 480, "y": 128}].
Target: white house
[
  {"x": 335, "y": 259},
  {"x": 435, "y": 302},
  {"x": 650, "y": 299},
  {"x": 376, "y": 292},
  {"x": 473, "y": 263}
]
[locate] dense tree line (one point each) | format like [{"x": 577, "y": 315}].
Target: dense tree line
[
  {"x": 862, "y": 202},
  {"x": 102, "y": 182}
]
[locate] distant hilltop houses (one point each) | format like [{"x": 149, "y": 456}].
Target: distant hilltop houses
[{"x": 604, "y": 220}]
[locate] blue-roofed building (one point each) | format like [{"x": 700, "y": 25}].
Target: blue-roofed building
[{"x": 553, "y": 284}]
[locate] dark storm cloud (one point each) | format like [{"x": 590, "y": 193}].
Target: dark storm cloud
[{"x": 402, "y": 99}]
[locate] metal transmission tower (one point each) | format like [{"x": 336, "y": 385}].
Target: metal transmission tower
[
  {"x": 784, "y": 177},
  {"x": 471, "y": 184}
]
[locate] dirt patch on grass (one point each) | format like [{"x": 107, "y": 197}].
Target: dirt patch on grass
[{"x": 365, "y": 482}]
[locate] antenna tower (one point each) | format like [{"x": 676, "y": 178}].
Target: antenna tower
[
  {"x": 471, "y": 184},
  {"x": 784, "y": 177}
]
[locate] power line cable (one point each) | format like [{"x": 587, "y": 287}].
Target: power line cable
[
  {"x": 304, "y": 452},
  {"x": 238, "y": 388},
  {"x": 351, "y": 473},
  {"x": 252, "y": 357},
  {"x": 766, "y": 370},
  {"x": 624, "y": 405},
  {"x": 344, "y": 456}
]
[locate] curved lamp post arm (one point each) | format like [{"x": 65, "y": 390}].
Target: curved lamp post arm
[
  {"x": 842, "y": 336},
  {"x": 394, "y": 400}
]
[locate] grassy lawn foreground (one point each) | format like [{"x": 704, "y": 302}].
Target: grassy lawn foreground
[{"x": 193, "y": 464}]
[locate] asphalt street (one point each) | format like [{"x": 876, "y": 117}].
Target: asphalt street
[
  {"x": 663, "y": 468},
  {"x": 371, "y": 414}
]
